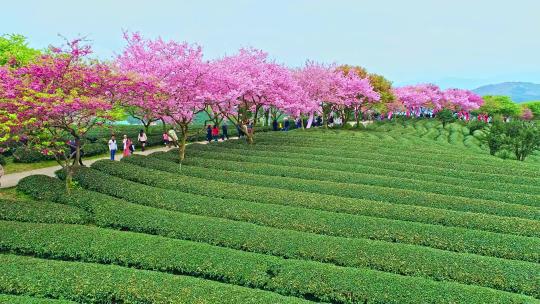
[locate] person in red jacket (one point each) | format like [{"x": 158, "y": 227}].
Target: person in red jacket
[{"x": 215, "y": 133}]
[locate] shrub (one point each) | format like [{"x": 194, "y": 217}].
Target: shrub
[
  {"x": 398, "y": 258},
  {"x": 448, "y": 238},
  {"x": 3, "y": 161},
  {"x": 42, "y": 212},
  {"x": 93, "y": 283},
  {"x": 475, "y": 125},
  {"x": 27, "y": 155},
  {"x": 14, "y": 299},
  {"x": 446, "y": 116},
  {"x": 344, "y": 184},
  {"x": 523, "y": 138},
  {"x": 336, "y": 167}
]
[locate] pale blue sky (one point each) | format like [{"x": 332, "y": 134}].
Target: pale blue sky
[{"x": 462, "y": 43}]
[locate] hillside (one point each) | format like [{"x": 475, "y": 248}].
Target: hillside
[
  {"x": 518, "y": 91},
  {"x": 399, "y": 213}
]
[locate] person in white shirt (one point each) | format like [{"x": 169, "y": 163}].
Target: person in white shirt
[
  {"x": 173, "y": 138},
  {"x": 113, "y": 146},
  {"x": 142, "y": 139}
]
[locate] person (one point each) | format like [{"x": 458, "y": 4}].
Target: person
[
  {"x": 127, "y": 146},
  {"x": 319, "y": 121},
  {"x": 331, "y": 121},
  {"x": 142, "y": 138},
  {"x": 298, "y": 123},
  {"x": 250, "y": 127},
  {"x": 275, "y": 125},
  {"x": 239, "y": 130},
  {"x": 173, "y": 138},
  {"x": 73, "y": 151},
  {"x": 208, "y": 133},
  {"x": 113, "y": 146},
  {"x": 166, "y": 139},
  {"x": 224, "y": 130},
  {"x": 286, "y": 124},
  {"x": 215, "y": 133}
]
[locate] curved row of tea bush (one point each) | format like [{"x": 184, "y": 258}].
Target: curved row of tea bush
[
  {"x": 311, "y": 169},
  {"x": 493, "y": 223},
  {"x": 260, "y": 189},
  {"x": 355, "y": 178},
  {"x": 424, "y": 159},
  {"x": 353, "y": 186},
  {"x": 330, "y": 160},
  {"x": 14, "y": 299},
  {"x": 43, "y": 212},
  {"x": 396, "y": 258},
  {"x": 447, "y": 238},
  {"x": 357, "y": 144},
  {"x": 94, "y": 283},
  {"x": 286, "y": 276}
]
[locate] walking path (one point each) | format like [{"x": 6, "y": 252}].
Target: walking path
[{"x": 11, "y": 180}]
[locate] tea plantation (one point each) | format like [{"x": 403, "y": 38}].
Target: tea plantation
[{"x": 402, "y": 214}]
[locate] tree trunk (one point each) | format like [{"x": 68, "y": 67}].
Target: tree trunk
[
  {"x": 249, "y": 135},
  {"x": 1, "y": 173},
  {"x": 69, "y": 178},
  {"x": 183, "y": 140},
  {"x": 146, "y": 127},
  {"x": 77, "y": 159}
]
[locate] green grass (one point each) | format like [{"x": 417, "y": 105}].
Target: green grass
[{"x": 406, "y": 212}]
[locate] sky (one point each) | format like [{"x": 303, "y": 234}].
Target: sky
[{"x": 458, "y": 43}]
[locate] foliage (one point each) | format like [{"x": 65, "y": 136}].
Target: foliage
[
  {"x": 523, "y": 138},
  {"x": 286, "y": 243},
  {"x": 94, "y": 283},
  {"x": 474, "y": 125},
  {"x": 407, "y": 235},
  {"x": 61, "y": 94},
  {"x": 41, "y": 212},
  {"x": 13, "y": 299},
  {"x": 519, "y": 137},
  {"x": 534, "y": 106},
  {"x": 446, "y": 116},
  {"x": 526, "y": 114},
  {"x": 499, "y": 105},
  {"x": 15, "y": 52}
]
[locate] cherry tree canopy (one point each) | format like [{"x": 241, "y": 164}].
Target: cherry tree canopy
[
  {"x": 59, "y": 94},
  {"x": 175, "y": 72}
]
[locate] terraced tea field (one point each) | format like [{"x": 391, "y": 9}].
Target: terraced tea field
[{"x": 298, "y": 217}]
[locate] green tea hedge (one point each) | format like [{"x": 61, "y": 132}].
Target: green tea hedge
[
  {"x": 397, "y": 258},
  {"x": 373, "y": 176},
  {"x": 14, "y": 299},
  {"x": 94, "y": 283},
  {"x": 333, "y": 167},
  {"x": 336, "y": 284},
  {"x": 43, "y": 212},
  {"x": 513, "y": 225}
]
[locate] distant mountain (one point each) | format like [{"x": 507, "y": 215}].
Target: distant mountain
[{"x": 518, "y": 91}]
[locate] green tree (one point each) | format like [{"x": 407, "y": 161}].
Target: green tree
[
  {"x": 496, "y": 137},
  {"x": 446, "y": 116},
  {"x": 534, "y": 106},
  {"x": 499, "y": 105},
  {"x": 14, "y": 50},
  {"x": 523, "y": 138}
]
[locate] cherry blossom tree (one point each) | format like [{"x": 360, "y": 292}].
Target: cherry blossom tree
[
  {"x": 420, "y": 96},
  {"x": 176, "y": 72},
  {"x": 462, "y": 101},
  {"x": 246, "y": 84},
  {"x": 335, "y": 90},
  {"x": 59, "y": 95}
]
